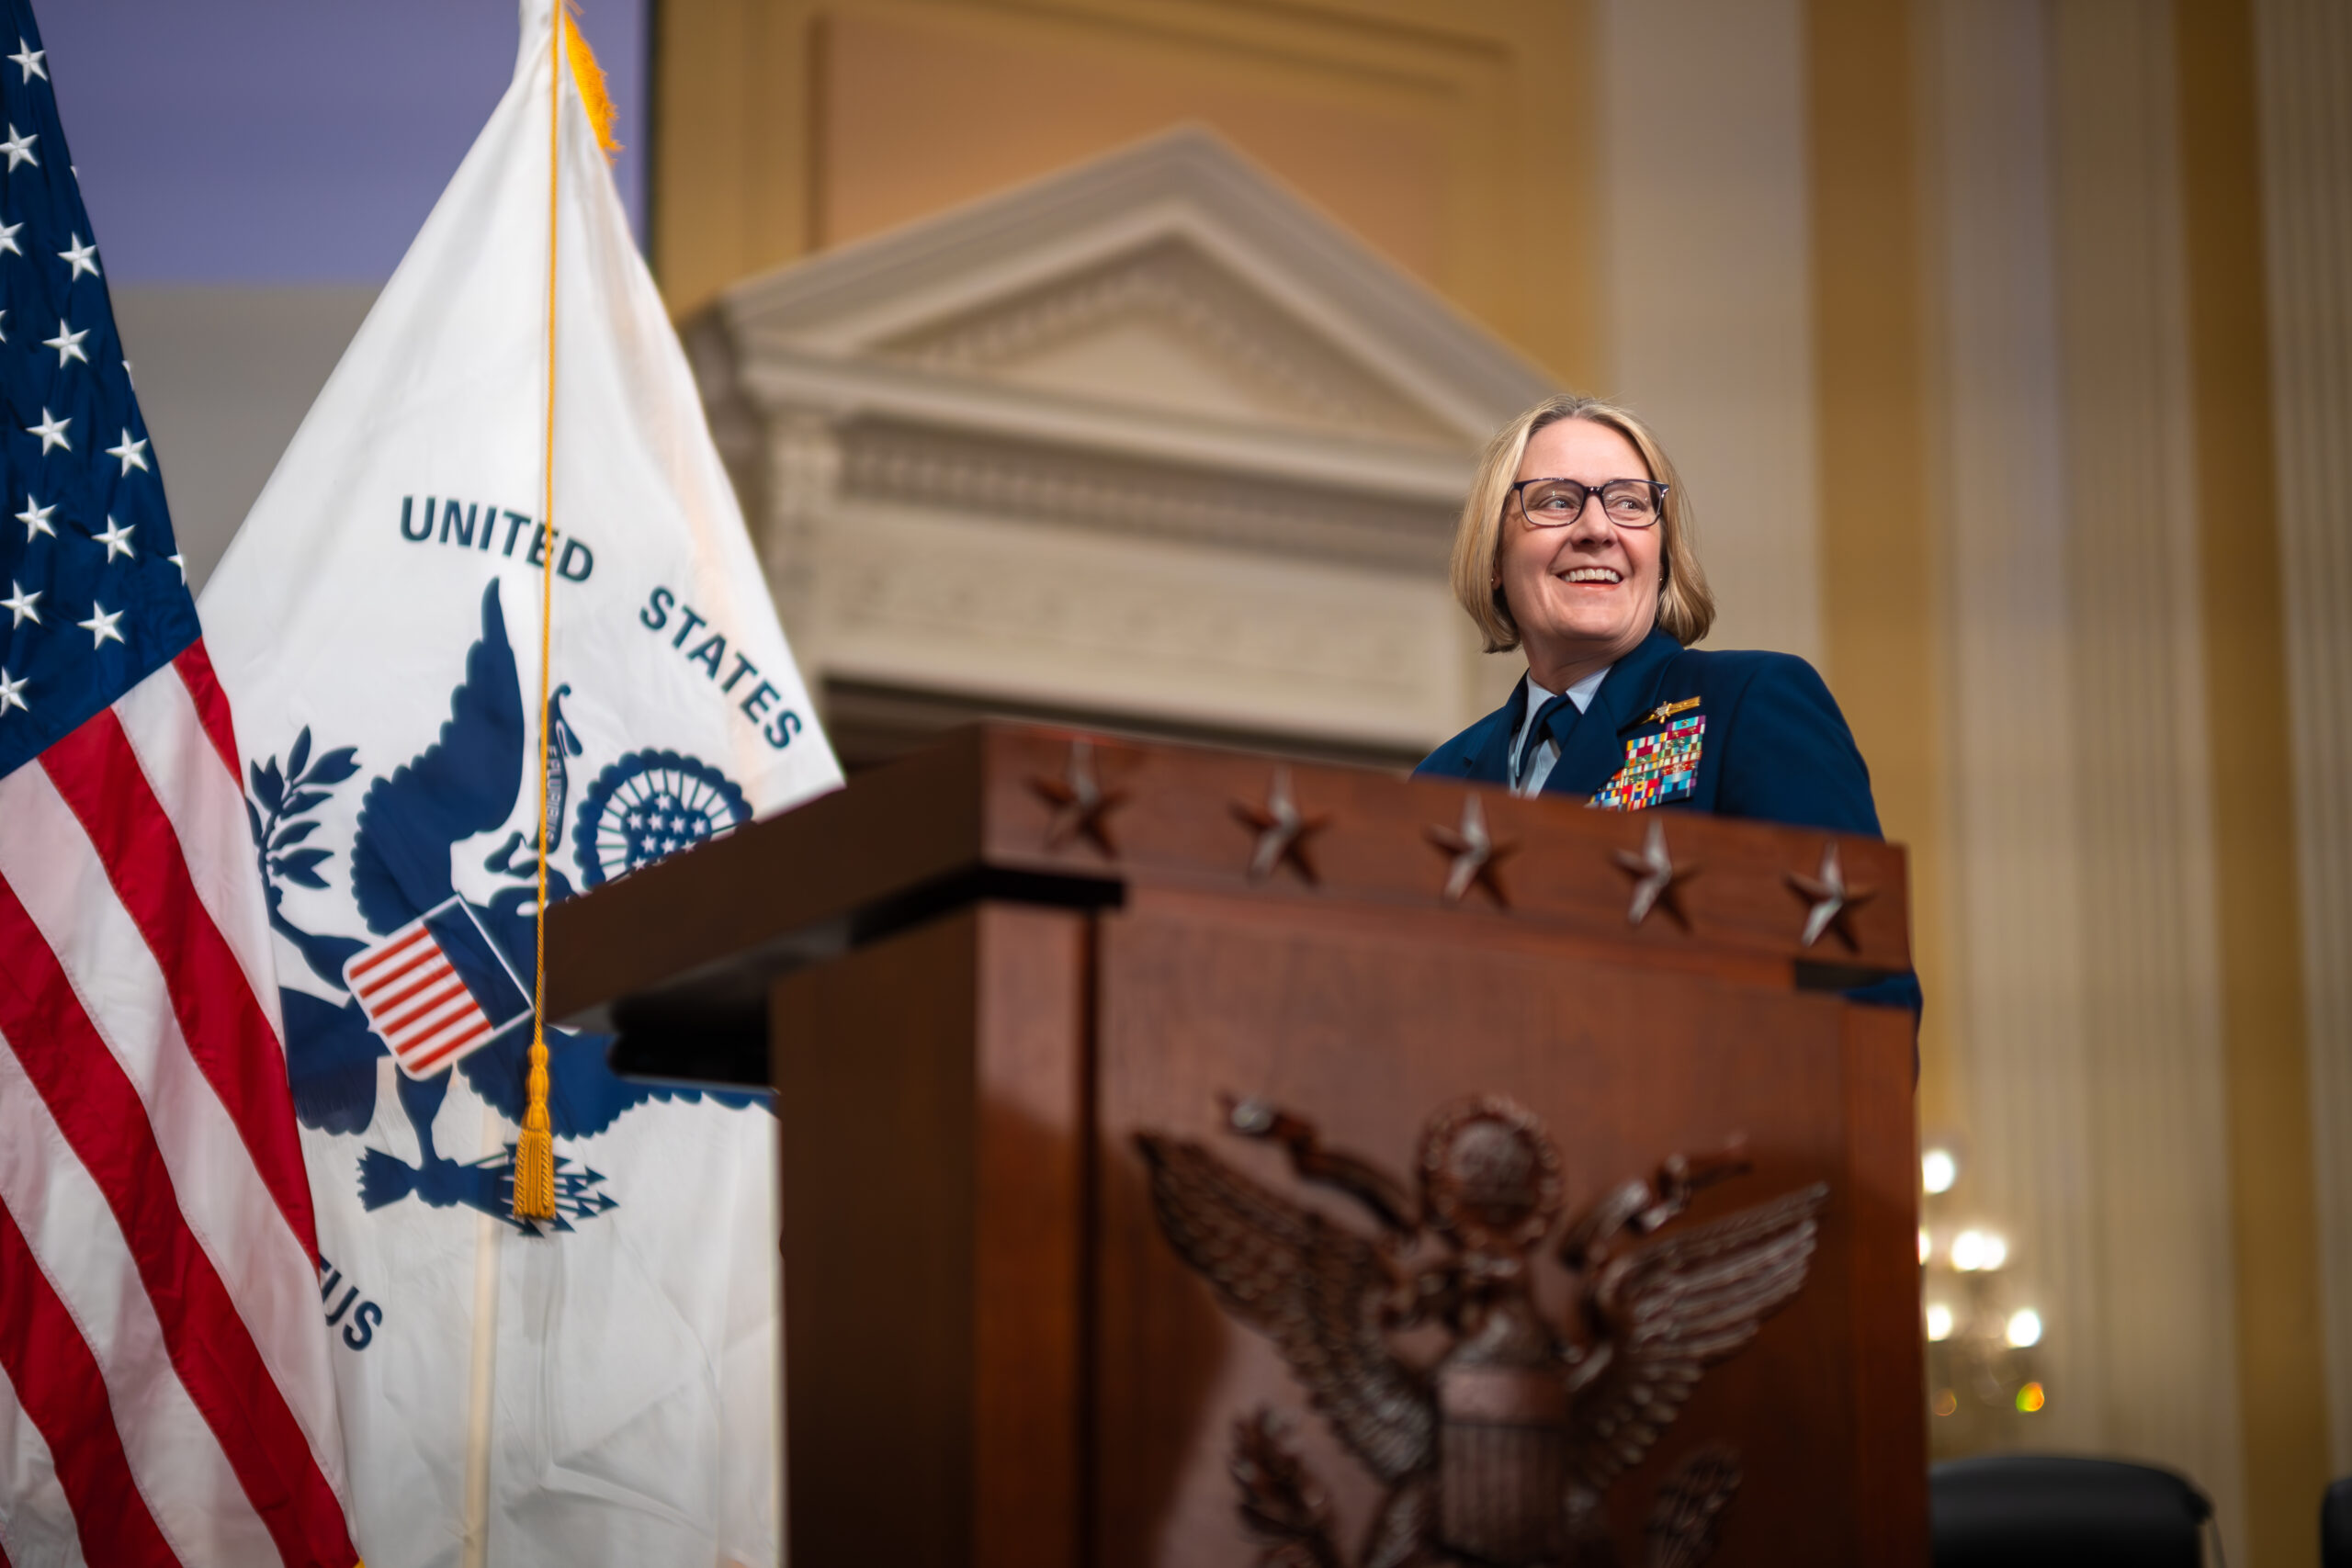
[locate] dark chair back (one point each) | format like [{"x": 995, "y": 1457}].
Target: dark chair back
[{"x": 2029, "y": 1510}]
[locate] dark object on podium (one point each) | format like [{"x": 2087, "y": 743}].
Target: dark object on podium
[
  {"x": 978, "y": 973},
  {"x": 2046, "y": 1511},
  {"x": 2335, "y": 1524}
]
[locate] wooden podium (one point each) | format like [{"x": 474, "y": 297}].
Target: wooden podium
[{"x": 977, "y": 974}]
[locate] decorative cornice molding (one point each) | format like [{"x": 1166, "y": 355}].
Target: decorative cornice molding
[
  {"x": 944, "y": 471},
  {"x": 784, "y": 384}
]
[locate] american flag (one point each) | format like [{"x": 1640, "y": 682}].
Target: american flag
[
  {"x": 165, "y": 1395},
  {"x": 437, "y": 989}
]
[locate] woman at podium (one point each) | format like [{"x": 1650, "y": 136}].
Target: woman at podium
[{"x": 1572, "y": 549}]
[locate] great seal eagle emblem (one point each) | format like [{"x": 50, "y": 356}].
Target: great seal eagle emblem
[
  {"x": 1501, "y": 1449},
  {"x": 475, "y": 933}
]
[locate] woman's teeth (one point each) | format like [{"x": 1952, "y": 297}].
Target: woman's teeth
[{"x": 1592, "y": 574}]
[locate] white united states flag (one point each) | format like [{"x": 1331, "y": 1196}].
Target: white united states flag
[{"x": 165, "y": 1395}]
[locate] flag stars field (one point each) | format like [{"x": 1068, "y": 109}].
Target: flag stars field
[
  {"x": 73, "y": 486},
  {"x": 47, "y": 587}
]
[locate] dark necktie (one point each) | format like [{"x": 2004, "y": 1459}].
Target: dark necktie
[{"x": 1552, "y": 721}]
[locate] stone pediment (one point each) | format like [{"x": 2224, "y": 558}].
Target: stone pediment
[
  {"x": 1165, "y": 327},
  {"x": 1174, "y": 278},
  {"x": 1149, "y": 443}
]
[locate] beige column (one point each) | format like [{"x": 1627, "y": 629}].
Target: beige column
[
  {"x": 2016, "y": 999},
  {"x": 2248, "y": 719},
  {"x": 2088, "y": 995},
  {"x": 1706, "y": 276},
  {"x": 2150, "y": 981},
  {"x": 2305, "y": 78}
]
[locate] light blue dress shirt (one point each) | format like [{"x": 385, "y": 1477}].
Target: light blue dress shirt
[{"x": 1532, "y": 773}]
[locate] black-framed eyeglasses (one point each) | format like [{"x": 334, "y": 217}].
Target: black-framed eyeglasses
[{"x": 1556, "y": 503}]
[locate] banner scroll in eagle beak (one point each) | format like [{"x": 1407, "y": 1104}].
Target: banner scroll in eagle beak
[{"x": 599, "y": 1390}]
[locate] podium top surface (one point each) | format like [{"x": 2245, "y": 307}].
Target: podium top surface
[{"x": 1044, "y": 815}]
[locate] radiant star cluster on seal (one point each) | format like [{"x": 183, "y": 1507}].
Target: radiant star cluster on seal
[{"x": 97, "y": 598}]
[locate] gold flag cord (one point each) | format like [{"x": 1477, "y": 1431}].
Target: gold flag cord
[{"x": 534, "y": 1148}]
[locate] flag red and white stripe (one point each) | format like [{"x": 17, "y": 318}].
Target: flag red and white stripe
[
  {"x": 165, "y": 1395},
  {"x": 415, "y": 998}
]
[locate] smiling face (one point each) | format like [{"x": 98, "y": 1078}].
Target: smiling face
[{"x": 1586, "y": 595}]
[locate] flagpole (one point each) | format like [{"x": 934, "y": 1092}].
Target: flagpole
[
  {"x": 534, "y": 1185},
  {"x": 481, "y": 1399},
  {"x": 535, "y": 1146}
]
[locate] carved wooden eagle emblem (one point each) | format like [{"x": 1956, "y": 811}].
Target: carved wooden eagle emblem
[{"x": 1501, "y": 1449}]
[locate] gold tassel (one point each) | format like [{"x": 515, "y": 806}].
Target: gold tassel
[
  {"x": 594, "y": 95},
  {"x": 534, "y": 1148}
]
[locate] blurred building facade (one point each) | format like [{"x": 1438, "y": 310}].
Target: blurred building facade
[{"x": 2006, "y": 349}]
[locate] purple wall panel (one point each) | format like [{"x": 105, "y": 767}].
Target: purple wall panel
[{"x": 294, "y": 141}]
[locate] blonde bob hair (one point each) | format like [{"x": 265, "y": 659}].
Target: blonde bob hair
[{"x": 1685, "y": 608}]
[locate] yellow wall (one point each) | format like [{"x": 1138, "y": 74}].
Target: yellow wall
[{"x": 1453, "y": 138}]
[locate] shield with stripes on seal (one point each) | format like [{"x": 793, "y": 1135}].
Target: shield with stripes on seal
[{"x": 436, "y": 989}]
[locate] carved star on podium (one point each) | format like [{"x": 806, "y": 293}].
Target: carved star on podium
[
  {"x": 1080, "y": 802},
  {"x": 1283, "y": 830},
  {"x": 1656, "y": 879},
  {"x": 1832, "y": 899},
  {"x": 1475, "y": 853}
]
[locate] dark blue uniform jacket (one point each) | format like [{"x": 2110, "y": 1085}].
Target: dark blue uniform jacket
[{"x": 1773, "y": 746}]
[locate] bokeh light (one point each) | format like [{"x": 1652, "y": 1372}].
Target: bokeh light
[
  {"x": 1975, "y": 1249},
  {"x": 1938, "y": 1321},
  {"x": 2031, "y": 1398},
  {"x": 1938, "y": 1170},
  {"x": 2025, "y": 1327}
]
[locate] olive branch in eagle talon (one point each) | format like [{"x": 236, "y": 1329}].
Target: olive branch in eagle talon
[
  {"x": 1500, "y": 1450},
  {"x": 278, "y": 811}
]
